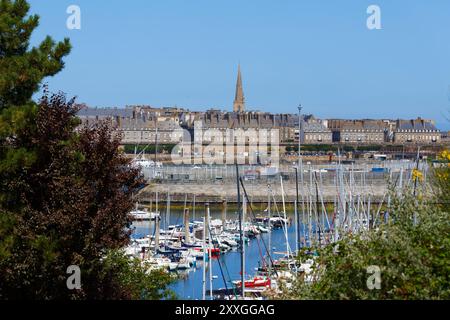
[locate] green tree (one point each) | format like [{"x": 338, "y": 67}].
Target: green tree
[
  {"x": 65, "y": 190},
  {"x": 441, "y": 181},
  {"x": 132, "y": 275},
  {"x": 22, "y": 69},
  {"x": 414, "y": 258}
]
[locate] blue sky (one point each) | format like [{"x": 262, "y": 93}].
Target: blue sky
[{"x": 317, "y": 52}]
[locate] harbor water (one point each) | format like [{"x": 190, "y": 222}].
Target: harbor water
[{"x": 226, "y": 267}]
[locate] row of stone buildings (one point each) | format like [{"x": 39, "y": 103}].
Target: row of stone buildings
[{"x": 148, "y": 125}]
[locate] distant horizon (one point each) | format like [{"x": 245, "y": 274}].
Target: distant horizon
[{"x": 317, "y": 53}]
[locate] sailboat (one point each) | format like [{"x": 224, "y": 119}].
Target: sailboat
[
  {"x": 143, "y": 215},
  {"x": 256, "y": 282}
]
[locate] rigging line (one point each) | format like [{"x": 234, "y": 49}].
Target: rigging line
[
  {"x": 316, "y": 207},
  {"x": 275, "y": 205},
  {"x": 283, "y": 226},
  {"x": 323, "y": 204},
  {"x": 254, "y": 216},
  {"x": 379, "y": 209},
  {"x": 251, "y": 210},
  {"x": 324, "y": 211},
  {"x": 176, "y": 221},
  {"x": 228, "y": 274},
  {"x": 338, "y": 190},
  {"x": 218, "y": 259},
  {"x": 229, "y": 277}
]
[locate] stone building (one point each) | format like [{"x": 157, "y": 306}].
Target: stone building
[
  {"x": 359, "y": 131},
  {"x": 445, "y": 137},
  {"x": 144, "y": 124},
  {"x": 315, "y": 131},
  {"x": 417, "y": 131},
  {"x": 245, "y": 127},
  {"x": 147, "y": 131},
  {"x": 138, "y": 124},
  {"x": 91, "y": 115}
]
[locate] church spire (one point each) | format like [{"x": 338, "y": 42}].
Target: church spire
[{"x": 239, "y": 100}]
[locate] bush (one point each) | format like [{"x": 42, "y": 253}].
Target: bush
[{"x": 412, "y": 251}]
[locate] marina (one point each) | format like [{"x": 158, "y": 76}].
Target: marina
[
  {"x": 206, "y": 158},
  {"x": 189, "y": 284},
  {"x": 245, "y": 251}
]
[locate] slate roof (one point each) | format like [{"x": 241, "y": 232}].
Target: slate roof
[
  {"x": 417, "y": 124},
  {"x": 105, "y": 112}
]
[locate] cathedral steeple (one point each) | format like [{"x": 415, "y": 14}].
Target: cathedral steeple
[{"x": 239, "y": 100}]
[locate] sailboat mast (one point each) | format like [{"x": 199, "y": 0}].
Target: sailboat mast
[
  {"x": 300, "y": 167},
  {"x": 244, "y": 214},
  {"x": 204, "y": 260},
  {"x": 157, "y": 227},
  {"x": 297, "y": 220},
  {"x": 210, "y": 245},
  {"x": 156, "y": 204},
  {"x": 241, "y": 238},
  {"x": 187, "y": 232},
  {"x": 270, "y": 229},
  {"x": 284, "y": 216},
  {"x": 193, "y": 210},
  {"x": 167, "y": 221}
]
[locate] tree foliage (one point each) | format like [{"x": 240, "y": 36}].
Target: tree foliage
[
  {"x": 65, "y": 190},
  {"x": 441, "y": 181},
  {"x": 22, "y": 69},
  {"x": 136, "y": 278},
  {"x": 412, "y": 251},
  {"x": 67, "y": 206}
]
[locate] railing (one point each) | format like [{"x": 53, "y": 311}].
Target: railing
[{"x": 227, "y": 173}]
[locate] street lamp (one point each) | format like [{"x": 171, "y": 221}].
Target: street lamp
[
  {"x": 299, "y": 128},
  {"x": 299, "y": 168}
]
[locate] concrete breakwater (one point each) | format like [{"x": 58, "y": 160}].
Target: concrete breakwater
[
  {"x": 258, "y": 192},
  {"x": 317, "y": 183}
]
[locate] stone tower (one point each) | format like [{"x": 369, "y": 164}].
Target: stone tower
[{"x": 239, "y": 100}]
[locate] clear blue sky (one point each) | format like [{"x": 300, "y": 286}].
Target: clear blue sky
[{"x": 319, "y": 53}]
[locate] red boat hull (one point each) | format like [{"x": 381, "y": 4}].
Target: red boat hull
[
  {"x": 255, "y": 283},
  {"x": 214, "y": 251}
]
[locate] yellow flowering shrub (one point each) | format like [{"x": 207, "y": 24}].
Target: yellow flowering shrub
[
  {"x": 442, "y": 180},
  {"x": 445, "y": 156},
  {"x": 417, "y": 174}
]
